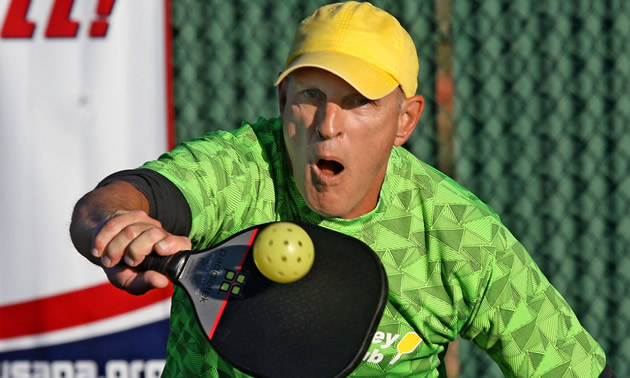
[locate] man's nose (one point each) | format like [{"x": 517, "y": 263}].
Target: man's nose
[{"x": 330, "y": 125}]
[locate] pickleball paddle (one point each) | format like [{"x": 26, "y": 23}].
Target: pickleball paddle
[{"x": 318, "y": 326}]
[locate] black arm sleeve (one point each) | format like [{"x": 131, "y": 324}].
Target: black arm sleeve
[{"x": 166, "y": 202}]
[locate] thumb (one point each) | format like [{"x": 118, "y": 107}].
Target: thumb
[
  {"x": 136, "y": 283},
  {"x": 146, "y": 281}
]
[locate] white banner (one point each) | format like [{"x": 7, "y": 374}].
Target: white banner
[{"x": 83, "y": 93}]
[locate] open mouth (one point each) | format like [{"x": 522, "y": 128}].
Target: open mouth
[{"x": 329, "y": 167}]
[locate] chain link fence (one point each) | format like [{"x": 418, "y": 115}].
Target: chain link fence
[
  {"x": 542, "y": 133},
  {"x": 527, "y": 106}
]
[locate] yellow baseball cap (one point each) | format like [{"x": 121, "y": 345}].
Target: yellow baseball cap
[{"x": 362, "y": 44}]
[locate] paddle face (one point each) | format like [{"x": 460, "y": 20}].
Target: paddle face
[
  {"x": 318, "y": 326},
  {"x": 211, "y": 277}
]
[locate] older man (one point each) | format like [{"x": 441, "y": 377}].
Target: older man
[{"x": 348, "y": 102}]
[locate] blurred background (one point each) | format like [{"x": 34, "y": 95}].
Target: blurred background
[{"x": 527, "y": 106}]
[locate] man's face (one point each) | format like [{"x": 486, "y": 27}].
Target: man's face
[{"x": 338, "y": 141}]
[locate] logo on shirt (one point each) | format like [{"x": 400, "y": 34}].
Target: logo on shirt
[{"x": 407, "y": 344}]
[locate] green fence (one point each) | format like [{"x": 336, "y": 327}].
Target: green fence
[{"x": 527, "y": 105}]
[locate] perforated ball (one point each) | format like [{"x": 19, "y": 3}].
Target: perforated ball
[{"x": 283, "y": 252}]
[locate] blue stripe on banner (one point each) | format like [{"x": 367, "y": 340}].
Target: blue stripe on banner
[{"x": 134, "y": 353}]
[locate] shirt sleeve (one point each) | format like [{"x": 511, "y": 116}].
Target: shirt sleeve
[
  {"x": 525, "y": 325},
  {"x": 219, "y": 175}
]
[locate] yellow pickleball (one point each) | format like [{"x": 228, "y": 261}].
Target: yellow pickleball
[{"x": 283, "y": 252}]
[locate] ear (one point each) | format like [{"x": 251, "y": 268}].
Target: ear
[
  {"x": 410, "y": 112},
  {"x": 282, "y": 94}
]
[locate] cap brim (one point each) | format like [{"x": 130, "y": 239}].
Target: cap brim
[{"x": 366, "y": 78}]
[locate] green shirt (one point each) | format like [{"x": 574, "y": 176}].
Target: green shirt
[{"x": 452, "y": 267}]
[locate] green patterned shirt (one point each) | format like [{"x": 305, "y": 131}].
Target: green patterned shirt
[{"x": 452, "y": 267}]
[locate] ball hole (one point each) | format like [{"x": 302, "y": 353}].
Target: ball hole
[
  {"x": 284, "y": 259},
  {"x": 281, "y": 274},
  {"x": 290, "y": 229},
  {"x": 268, "y": 259},
  {"x": 286, "y": 242},
  {"x": 270, "y": 243},
  {"x": 300, "y": 243}
]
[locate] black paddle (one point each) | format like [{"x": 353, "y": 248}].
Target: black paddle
[{"x": 318, "y": 326}]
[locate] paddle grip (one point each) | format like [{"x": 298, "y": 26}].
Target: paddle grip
[{"x": 171, "y": 266}]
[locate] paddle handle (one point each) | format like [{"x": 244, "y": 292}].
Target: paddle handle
[{"x": 171, "y": 266}]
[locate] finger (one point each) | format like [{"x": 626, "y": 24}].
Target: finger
[
  {"x": 118, "y": 246},
  {"x": 136, "y": 283},
  {"x": 112, "y": 226},
  {"x": 172, "y": 244},
  {"x": 145, "y": 281},
  {"x": 156, "y": 279},
  {"x": 143, "y": 244}
]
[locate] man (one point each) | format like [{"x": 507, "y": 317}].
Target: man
[{"x": 347, "y": 102}]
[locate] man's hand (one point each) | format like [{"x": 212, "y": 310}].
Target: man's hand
[
  {"x": 129, "y": 236},
  {"x": 111, "y": 225}
]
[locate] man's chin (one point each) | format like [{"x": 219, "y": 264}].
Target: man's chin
[
  {"x": 328, "y": 213},
  {"x": 328, "y": 202},
  {"x": 327, "y": 209}
]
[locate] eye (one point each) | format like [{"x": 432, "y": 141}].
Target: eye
[
  {"x": 312, "y": 96},
  {"x": 360, "y": 101},
  {"x": 311, "y": 93}
]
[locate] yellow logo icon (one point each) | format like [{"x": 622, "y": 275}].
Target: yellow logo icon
[{"x": 408, "y": 344}]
